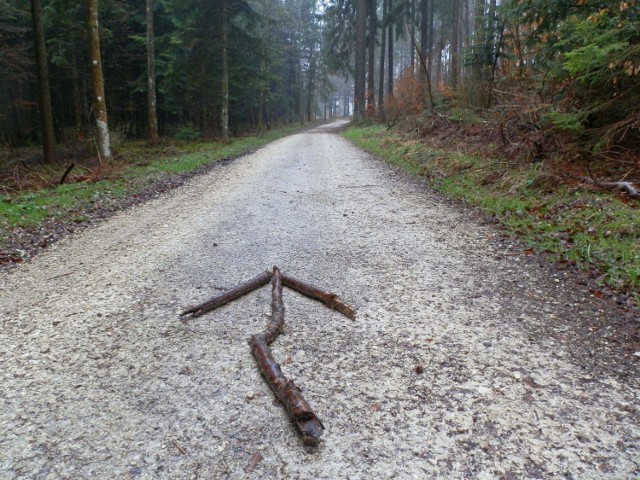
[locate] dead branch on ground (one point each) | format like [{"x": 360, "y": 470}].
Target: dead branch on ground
[
  {"x": 331, "y": 300},
  {"x": 301, "y": 414},
  {"x": 228, "y": 296},
  {"x": 303, "y": 417}
]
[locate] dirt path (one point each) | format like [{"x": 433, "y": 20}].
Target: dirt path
[{"x": 101, "y": 380}]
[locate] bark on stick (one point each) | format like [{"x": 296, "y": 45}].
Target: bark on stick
[
  {"x": 301, "y": 414},
  {"x": 229, "y": 295},
  {"x": 331, "y": 300}
]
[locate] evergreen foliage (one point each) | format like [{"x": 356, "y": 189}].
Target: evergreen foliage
[
  {"x": 577, "y": 63},
  {"x": 275, "y": 71}
]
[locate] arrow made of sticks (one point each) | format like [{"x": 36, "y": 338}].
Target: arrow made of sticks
[{"x": 303, "y": 417}]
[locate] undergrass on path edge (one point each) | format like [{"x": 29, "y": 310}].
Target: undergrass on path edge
[{"x": 595, "y": 231}]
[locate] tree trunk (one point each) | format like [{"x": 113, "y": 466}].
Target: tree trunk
[
  {"x": 438, "y": 51},
  {"x": 424, "y": 38},
  {"x": 299, "y": 85},
  {"x": 151, "y": 77},
  {"x": 455, "y": 44},
  {"x": 383, "y": 42},
  {"x": 361, "y": 39},
  {"x": 311, "y": 85},
  {"x": 390, "y": 60},
  {"x": 77, "y": 96},
  {"x": 412, "y": 52},
  {"x": 430, "y": 36},
  {"x": 224, "y": 112},
  {"x": 44, "y": 94},
  {"x": 97, "y": 81},
  {"x": 373, "y": 25}
]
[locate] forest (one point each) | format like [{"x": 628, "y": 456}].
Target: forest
[{"x": 201, "y": 68}]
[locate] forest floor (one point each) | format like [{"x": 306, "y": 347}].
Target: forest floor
[{"x": 469, "y": 357}]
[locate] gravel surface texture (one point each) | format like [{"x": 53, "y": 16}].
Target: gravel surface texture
[{"x": 467, "y": 358}]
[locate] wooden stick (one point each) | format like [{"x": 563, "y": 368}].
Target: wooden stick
[
  {"x": 229, "y": 295},
  {"x": 331, "y": 300},
  {"x": 66, "y": 172},
  {"x": 303, "y": 417}
]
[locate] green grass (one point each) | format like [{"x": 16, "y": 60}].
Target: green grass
[
  {"x": 138, "y": 167},
  {"x": 596, "y": 231}
]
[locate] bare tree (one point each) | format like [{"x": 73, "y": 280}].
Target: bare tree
[{"x": 97, "y": 81}]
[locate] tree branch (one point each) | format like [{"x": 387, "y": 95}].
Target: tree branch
[{"x": 229, "y": 295}]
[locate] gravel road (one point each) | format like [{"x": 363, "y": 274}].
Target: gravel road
[{"x": 468, "y": 358}]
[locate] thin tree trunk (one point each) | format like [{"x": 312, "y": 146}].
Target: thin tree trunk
[
  {"x": 361, "y": 39},
  {"x": 97, "y": 81},
  {"x": 264, "y": 84},
  {"x": 263, "y": 96},
  {"x": 390, "y": 60},
  {"x": 44, "y": 94},
  {"x": 439, "y": 49},
  {"x": 455, "y": 44},
  {"x": 77, "y": 96},
  {"x": 310, "y": 86},
  {"x": 373, "y": 26},
  {"x": 426, "y": 80},
  {"x": 151, "y": 77},
  {"x": 224, "y": 111},
  {"x": 430, "y": 36},
  {"x": 412, "y": 51},
  {"x": 299, "y": 86},
  {"x": 383, "y": 44},
  {"x": 424, "y": 37}
]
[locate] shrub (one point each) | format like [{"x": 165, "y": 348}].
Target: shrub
[{"x": 187, "y": 133}]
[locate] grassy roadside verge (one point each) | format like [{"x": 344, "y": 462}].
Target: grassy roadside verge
[
  {"x": 137, "y": 167},
  {"x": 598, "y": 232}
]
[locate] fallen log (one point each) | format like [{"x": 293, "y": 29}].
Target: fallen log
[
  {"x": 331, "y": 300},
  {"x": 228, "y": 296},
  {"x": 303, "y": 417}
]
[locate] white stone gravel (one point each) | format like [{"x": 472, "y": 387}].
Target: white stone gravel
[{"x": 101, "y": 380}]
